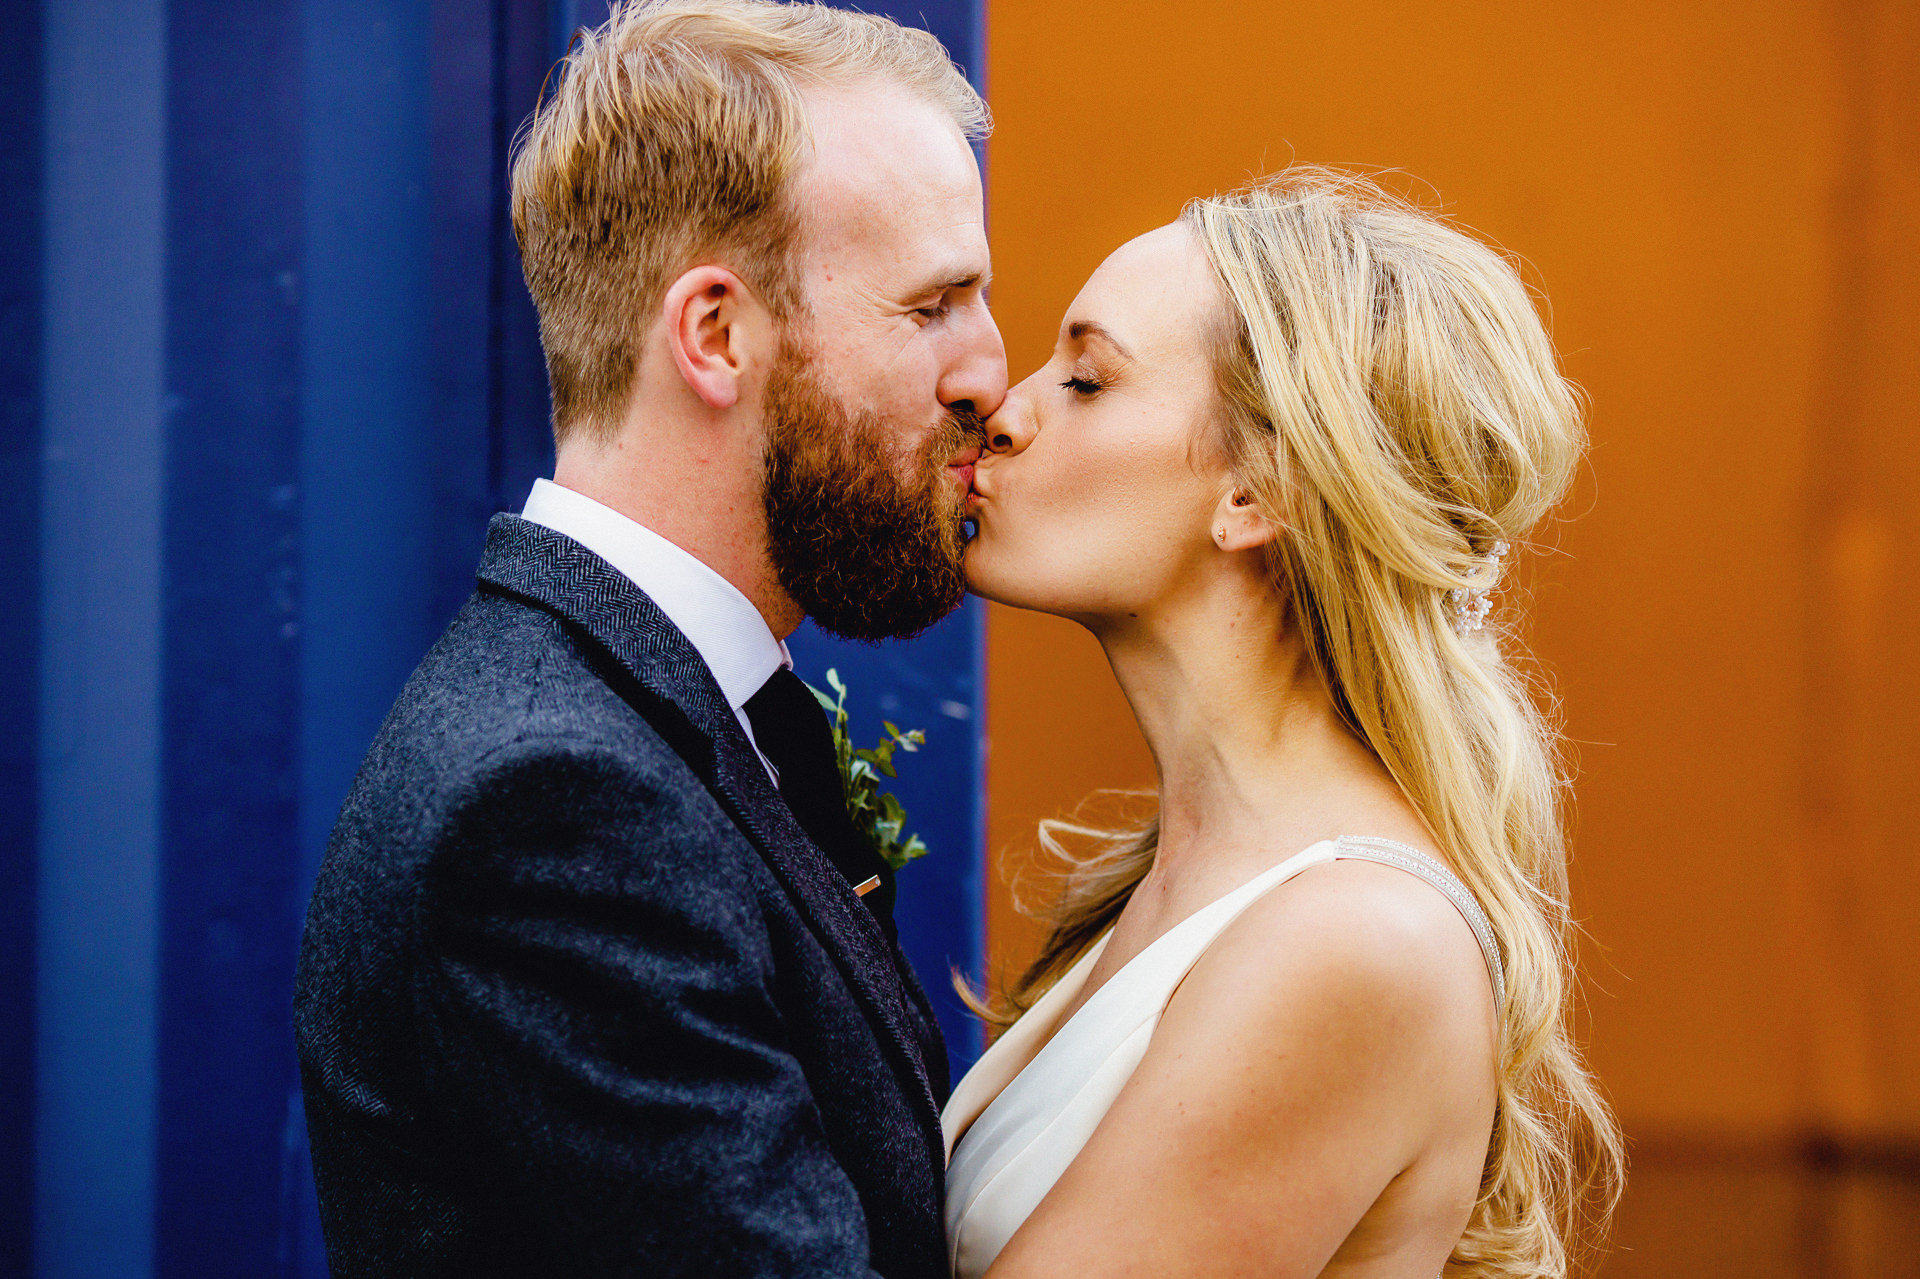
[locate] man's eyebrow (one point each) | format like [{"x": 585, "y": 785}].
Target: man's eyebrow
[
  {"x": 1081, "y": 330},
  {"x": 954, "y": 278}
]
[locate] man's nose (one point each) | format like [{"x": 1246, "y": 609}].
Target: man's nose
[{"x": 977, "y": 376}]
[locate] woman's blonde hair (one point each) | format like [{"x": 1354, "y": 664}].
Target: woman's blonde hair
[{"x": 1391, "y": 396}]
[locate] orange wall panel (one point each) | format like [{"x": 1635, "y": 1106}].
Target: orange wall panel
[
  {"x": 1676, "y": 177},
  {"x": 1057, "y": 731}
]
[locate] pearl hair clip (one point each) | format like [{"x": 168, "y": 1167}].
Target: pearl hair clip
[{"x": 1471, "y": 604}]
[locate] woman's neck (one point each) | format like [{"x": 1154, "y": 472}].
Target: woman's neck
[{"x": 1254, "y": 760}]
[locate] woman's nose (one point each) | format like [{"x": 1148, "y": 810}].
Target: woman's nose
[{"x": 1012, "y": 428}]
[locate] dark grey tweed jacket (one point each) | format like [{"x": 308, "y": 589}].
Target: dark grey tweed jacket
[{"x": 577, "y": 997}]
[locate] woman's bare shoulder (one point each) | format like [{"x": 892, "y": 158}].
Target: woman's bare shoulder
[
  {"x": 1363, "y": 959},
  {"x": 1335, "y": 1042}
]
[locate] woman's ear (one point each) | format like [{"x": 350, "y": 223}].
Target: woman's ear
[
  {"x": 714, "y": 325},
  {"x": 1239, "y": 524}
]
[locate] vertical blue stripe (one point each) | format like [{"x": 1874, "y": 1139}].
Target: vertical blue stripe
[
  {"x": 466, "y": 185},
  {"x": 101, "y": 622},
  {"x": 231, "y": 647},
  {"x": 370, "y": 535},
  {"x": 20, "y": 375},
  {"x": 520, "y": 443},
  {"x": 367, "y": 611}
]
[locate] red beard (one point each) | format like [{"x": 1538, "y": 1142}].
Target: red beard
[{"x": 868, "y": 553}]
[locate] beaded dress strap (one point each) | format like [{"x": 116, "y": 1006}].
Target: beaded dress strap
[{"x": 1368, "y": 848}]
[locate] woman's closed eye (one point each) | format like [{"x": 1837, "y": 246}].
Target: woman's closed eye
[{"x": 1086, "y": 387}]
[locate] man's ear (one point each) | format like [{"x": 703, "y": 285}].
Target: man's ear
[
  {"x": 1239, "y": 524},
  {"x": 715, "y": 327}
]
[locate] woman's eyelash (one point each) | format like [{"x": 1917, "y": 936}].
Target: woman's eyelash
[{"x": 1083, "y": 385}]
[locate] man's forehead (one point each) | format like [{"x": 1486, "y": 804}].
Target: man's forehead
[
  {"x": 886, "y": 162},
  {"x": 873, "y": 125}
]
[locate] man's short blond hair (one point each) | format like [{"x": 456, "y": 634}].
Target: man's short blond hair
[{"x": 674, "y": 138}]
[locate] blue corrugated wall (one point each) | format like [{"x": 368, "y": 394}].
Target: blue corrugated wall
[
  {"x": 21, "y": 186},
  {"x": 266, "y": 368}
]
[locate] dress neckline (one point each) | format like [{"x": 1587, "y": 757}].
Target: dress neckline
[{"x": 1044, "y": 1022}]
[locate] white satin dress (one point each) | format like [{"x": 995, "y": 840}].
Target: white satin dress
[{"x": 1028, "y": 1106}]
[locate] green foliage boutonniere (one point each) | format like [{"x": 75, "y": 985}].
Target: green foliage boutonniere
[{"x": 875, "y": 813}]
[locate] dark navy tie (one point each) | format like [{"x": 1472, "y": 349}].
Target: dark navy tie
[{"x": 791, "y": 730}]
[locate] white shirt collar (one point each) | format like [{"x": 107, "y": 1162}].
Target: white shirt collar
[{"x": 722, "y": 624}]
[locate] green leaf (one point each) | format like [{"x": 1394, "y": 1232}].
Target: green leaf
[{"x": 876, "y": 814}]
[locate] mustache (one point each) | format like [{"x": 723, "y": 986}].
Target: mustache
[{"x": 961, "y": 428}]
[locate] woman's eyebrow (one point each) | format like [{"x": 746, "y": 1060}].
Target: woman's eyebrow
[{"x": 1080, "y": 330}]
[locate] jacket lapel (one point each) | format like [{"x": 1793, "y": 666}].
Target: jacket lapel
[{"x": 659, "y": 673}]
